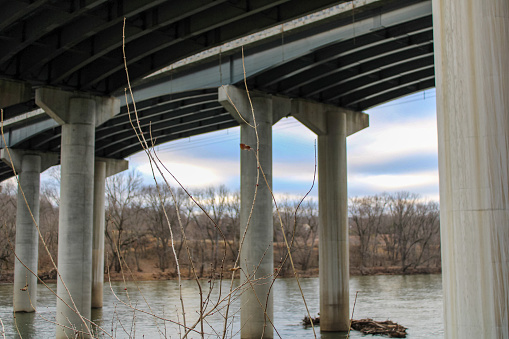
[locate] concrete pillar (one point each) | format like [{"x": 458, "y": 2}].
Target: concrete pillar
[
  {"x": 257, "y": 254},
  {"x": 259, "y": 236},
  {"x": 103, "y": 169},
  {"x": 14, "y": 92},
  {"x": 28, "y": 165},
  {"x": 333, "y": 232},
  {"x": 98, "y": 234},
  {"x": 471, "y": 40},
  {"x": 79, "y": 114},
  {"x": 332, "y": 125}
]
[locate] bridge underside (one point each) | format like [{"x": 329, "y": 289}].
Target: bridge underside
[{"x": 387, "y": 54}]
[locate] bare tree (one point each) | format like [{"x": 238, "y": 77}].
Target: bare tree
[
  {"x": 366, "y": 217},
  {"x": 215, "y": 202},
  {"x": 48, "y": 225},
  {"x": 161, "y": 208},
  {"x": 122, "y": 191},
  {"x": 413, "y": 225},
  {"x": 428, "y": 233},
  {"x": 306, "y": 234},
  {"x": 232, "y": 222},
  {"x": 7, "y": 224},
  {"x": 187, "y": 208},
  {"x": 284, "y": 228}
]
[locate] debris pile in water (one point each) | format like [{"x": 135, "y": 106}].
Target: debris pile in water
[
  {"x": 307, "y": 321},
  {"x": 369, "y": 326},
  {"x": 388, "y": 328}
]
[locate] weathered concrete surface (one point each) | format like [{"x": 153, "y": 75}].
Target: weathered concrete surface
[
  {"x": 28, "y": 165},
  {"x": 333, "y": 232},
  {"x": 79, "y": 115},
  {"x": 257, "y": 253},
  {"x": 56, "y": 102},
  {"x": 332, "y": 125},
  {"x": 98, "y": 234},
  {"x": 314, "y": 116},
  {"x": 27, "y": 236},
  {"x": 76, "y": 216},
  {"x": 472, "y": 79}
]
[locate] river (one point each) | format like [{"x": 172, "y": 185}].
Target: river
[{"x": 412, "y": 301}]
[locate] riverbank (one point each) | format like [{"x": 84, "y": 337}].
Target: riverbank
[{"x": 155, "y": 274}]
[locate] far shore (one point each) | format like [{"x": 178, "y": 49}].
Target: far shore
[{"x": 157, "y": 275}]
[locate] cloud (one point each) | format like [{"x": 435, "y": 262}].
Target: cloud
[
  {"x": 424, "y": 183},
  {"x": 395, "y": 164},
  {"x": 391, "y": 141},
  {"x": 194, "y": 172},
  {"x": 397, "y": 182},
  {"x": 397, "y": 152}
]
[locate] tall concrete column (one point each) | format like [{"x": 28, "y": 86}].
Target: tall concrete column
[
  {"x": 27, "y": 237},
  {"x": 98, "y": 234},
  {"x": 257, "y": 254},
  {"x": 471, "y": 41},
  {"x": 332, "y": 125},
  {"x": 79, "y": 114},
  {"x": 28, "y": 166},
  {"x": 103, "y": 169},
  {"x": 333, "y": 232}
]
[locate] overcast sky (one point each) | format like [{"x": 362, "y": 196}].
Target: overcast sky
[{"x": 397, "y": 152}]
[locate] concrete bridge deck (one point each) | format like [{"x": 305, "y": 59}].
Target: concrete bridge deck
[{"x": 387, "y": 53}]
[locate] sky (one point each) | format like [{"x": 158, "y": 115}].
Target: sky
[{"x": 398, "y": 152}]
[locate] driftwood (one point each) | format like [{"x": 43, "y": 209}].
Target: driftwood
[
  {"x": 388, "y": 328},
  {"x": 307, "y": 322},
  {"x": 369, "y": 326}
]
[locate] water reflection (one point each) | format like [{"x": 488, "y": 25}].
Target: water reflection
[
  {"x": 413, "y": 301},
  {"x": 24, "y": 323},
  {"x": 334, "y": 335}
]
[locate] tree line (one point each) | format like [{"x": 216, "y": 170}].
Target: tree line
[{"x": 147, "y": 226}]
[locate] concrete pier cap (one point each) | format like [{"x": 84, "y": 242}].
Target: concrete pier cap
[
  {"x": 313, "y": 115},
  {"x": 14, "y": 157},
  {"x": 56, "y": 103},
  {"x": 236, "y": 101}
]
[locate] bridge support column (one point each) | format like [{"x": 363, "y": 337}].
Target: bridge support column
[
  {"x": 28, "y": 165},
  {"x": 78, "y": 114},
  {"x": 13, "y": 92},
  {"x": 257, "y": 253},
  {"x": 471, "y": 41},
  {"x": 332, "y": 125},
  {"x": 103, "y": 169}
]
